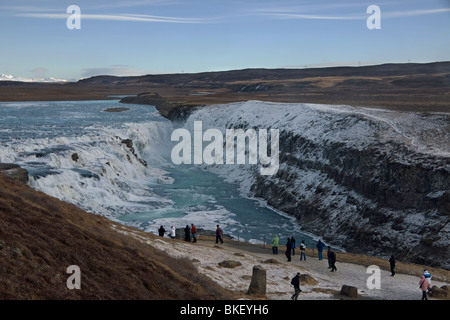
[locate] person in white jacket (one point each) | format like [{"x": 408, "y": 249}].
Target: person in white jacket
[
  {"x": 427, "y": 276},
  {"x": 172, "y": 232}
]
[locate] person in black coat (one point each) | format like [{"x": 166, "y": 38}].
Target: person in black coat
[
  {"x": 392, "y": 263},
  {"x": 187, "y": 234},
  {"x": 332, "y": 260},
  {"x": 288, "y": 249},
  {"x": 296, "y": 283},
  {"x": 161, "y": 231}
]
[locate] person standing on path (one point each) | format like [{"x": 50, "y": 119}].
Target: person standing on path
[
  {"x": 161, "y": 231},
  {"x": 424, "y": 285},
  {"x": 275, "y": 242},
  {"x": 392, "y": 264},
  {"x": 328, "y": 257},
  {"x": 296, "y": 283},
  {"x": 302, "y": 250},
  {"x": 288, "y": 249},
  {"x": 219, "y": 235},
  {"x": 427, "y": 276},
  {"x": 320, "y": 245},
  {"x": 187, "y": 234},
  {"x": 293, "y": 245},
  {"x": 332, "y": 260},
  {"x": 194, "y": 232},
  {"x": 172, "y": 232}
]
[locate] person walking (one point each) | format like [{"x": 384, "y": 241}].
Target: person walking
[
  {"x": 219, "y": 235},
  {"x": 302, "y": 250},
  {"x": 293, "y": 245},
  {"x": 328, "y": 257},
  {"x": 172, "y": 232},
  {"x": 275, "y": 242},
  {"x": 288, "y": 249},
  {"x": 320, "y": 245},
  {"x": 424, "y": 285},
  {"x": 333, "y": 260},
  {"x": 296, "y": 283},
  {"x": 194, "y": 232},
  {"x": 161, "y": 231},
  {"x": 392, "y": 264}
]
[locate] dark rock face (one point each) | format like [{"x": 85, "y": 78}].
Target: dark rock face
[
  {"x": 14, "y": 171},
  {"x": 369, "y": 200},
  {"x": 370, "y": 181}
]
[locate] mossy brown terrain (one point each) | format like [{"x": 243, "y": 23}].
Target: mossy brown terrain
[{"x": 41, "y": 236}]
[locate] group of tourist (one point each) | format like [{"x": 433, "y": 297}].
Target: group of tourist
[
  {"x": 190, "y": 232},
  {"x": 290, "y": 250}
]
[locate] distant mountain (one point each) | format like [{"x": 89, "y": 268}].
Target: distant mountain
[{"x": 410, "y": 86}]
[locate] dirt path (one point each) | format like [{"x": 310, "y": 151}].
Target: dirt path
[{"x": 206, "y": 255}]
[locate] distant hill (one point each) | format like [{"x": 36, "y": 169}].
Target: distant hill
[{"x": 408, "y": 87}]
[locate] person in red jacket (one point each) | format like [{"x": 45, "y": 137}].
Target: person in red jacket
[{"x": 194, "y": 232}]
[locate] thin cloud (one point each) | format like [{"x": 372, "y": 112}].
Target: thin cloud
[
  {"x": 412, "y": 13},
  {"x": 312, "y": 16},
  {"x": 117, "y": 17},
  {"x": 289, "y": 13}
]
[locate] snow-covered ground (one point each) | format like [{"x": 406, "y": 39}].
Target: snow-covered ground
[{"x": 206, "y": 255}]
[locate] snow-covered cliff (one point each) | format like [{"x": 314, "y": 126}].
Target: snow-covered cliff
[{"x": 372, "y": 181}]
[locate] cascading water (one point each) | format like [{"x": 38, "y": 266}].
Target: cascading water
[{"x": 117, "y": 164}]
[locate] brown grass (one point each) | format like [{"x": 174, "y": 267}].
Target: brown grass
[{"x": 41, "y": 236}]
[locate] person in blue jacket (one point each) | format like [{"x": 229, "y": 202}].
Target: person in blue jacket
[{"x": 320, "y": 245}]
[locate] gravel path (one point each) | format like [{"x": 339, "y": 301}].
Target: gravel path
[{"x": 206, "y": 255}]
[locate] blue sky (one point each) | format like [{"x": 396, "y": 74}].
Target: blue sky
[{"x": 137, "y": 37}]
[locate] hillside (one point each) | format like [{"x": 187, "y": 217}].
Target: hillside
[
  {"x": 40, "y": 237},
  {"x": 406, "y": 87}
]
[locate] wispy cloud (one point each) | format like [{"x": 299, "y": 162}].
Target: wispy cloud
[
  {"x": 411, "y": 13},
  {"x": 118, "y": 17},
  {"x": 319, "y": 12}
]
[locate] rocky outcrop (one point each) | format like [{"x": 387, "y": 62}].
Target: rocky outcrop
[
  {"x": 14, "y": 171},
  {"x": 375, "y": 182},
  {"x": 366, "y": 200},
  {"x": 129, "y": 144},
  {"x": 154, "y": 99}
]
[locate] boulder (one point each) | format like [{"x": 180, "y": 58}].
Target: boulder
[
  {"x": 14, "y": 171},
  {"x": 446, "y": 288},
  {"x": 306, "y": 279},
  {"x": 75, "y": 157},
  {"x": 230, "y": 264},
  {"x": 271, "y": 261},
  {"x": 258, "y": 283},
  {"x": 437, "y": 292},
  {"x": 349, "y": 291}
]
